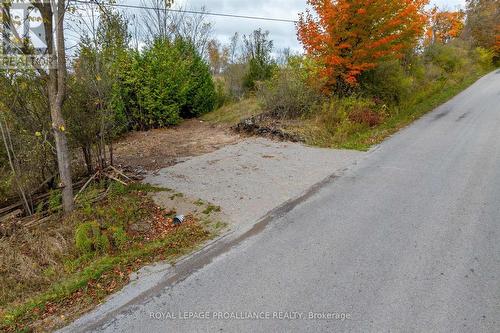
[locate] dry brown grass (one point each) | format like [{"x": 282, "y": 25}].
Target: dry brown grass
[
  {"x": 46, "y": 276},
  {"x": 231, "y": 114},
  {"x": 33, "y": 259}
]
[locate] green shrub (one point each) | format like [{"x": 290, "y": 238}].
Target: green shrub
[
  {"x": 449, "y": 57},
  {"x": 167, "y": 82},
  {"x": 101, "y": 243},
  {"x": 388, "y": 82},
  {"x": 89, "y": 238},
  {"x": 222, "y": 93},
  {"x": 290, "y": 92},
  {"x": 338, "y": 119},
  {"x": 119, "y": 237},
  {"x": 84, "y": 238},
  {"x": 117, "y": 189},
  {"x": 55, "y": 201},
  {"x": 484, "y": 57},
  {"x": 433, "y": 73},
  {"x": 258, "y": 71}
]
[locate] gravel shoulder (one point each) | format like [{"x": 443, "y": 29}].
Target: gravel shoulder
[{"x": 250, "y": 178}]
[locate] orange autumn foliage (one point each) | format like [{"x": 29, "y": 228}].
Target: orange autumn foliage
[
  {"x": 444, "y": 26},
  {"x": 348, "y": 37},
  {"x": 497, "y": 41}
]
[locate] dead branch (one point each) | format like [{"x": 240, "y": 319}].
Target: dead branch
[
  {"x": 86, "y": 184},
  {"x": 119, "y": 172},
  {"x": 115, "y": 179}
]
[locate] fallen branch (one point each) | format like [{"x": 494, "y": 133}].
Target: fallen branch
[
  {"x": 14, "y": 211},
  {"x": 120, "y": 172},
  {"x": 115, "y": 179},
  {"x": 11, "y": 215},
  {"x": 86, "y": 184}
]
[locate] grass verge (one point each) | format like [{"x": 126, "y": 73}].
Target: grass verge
[
  {"x": 45, "y": 287},
  {"x": 364, "y": 139},
  {"x": 232, "y": 114},
  {"x": 326, "y": 128}
]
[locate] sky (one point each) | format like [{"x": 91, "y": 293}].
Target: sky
[{"x": 283, "y": 34}]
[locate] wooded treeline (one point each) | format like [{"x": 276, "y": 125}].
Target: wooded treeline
[{"x": 127, "y": 72}]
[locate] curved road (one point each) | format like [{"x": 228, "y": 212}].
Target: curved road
[{"x": 407, "y": 240}]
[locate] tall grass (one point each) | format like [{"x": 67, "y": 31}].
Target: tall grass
[{"x": 392, "y": 96}]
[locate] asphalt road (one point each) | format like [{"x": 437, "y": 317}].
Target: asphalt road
[{"x": 408, "y": 240}]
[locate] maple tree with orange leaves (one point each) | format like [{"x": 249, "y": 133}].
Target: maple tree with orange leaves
[
  {"x": 444, "y": 26},
  {"x": 348, "y": 37}
]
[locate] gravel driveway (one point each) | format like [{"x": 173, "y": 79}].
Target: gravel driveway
[{"x": 250, "y": 178}]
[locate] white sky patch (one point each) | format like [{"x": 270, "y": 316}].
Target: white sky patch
[{"x": 283, "y": 34}]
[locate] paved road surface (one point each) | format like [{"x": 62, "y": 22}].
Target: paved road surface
[{"x": 408, "y": 240}]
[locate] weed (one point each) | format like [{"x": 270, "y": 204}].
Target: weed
[
  {"x": 210, "y": 209},
  {"x": 358, "y": 123},
  {"x": 183, "y": 240},
  {"x": 120, "y": 237},
  {"x": 55, "y": 201},
  {"x": 220, "y": 225},
  {"x": 176, "y": 195},
  {"x": 199, "y": 202},
  {"x": 89, "y": 238},
  {"x": 84, "y": 238},
  {"x": 142, "y": 187}
]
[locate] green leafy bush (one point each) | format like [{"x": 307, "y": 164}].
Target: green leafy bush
[
  {"x": 117, "y": 190},
  {"x": 484, "y": 57},
  {"x": 84, "y": 237},
  {"x": 336, "y": 119},
  {"x": 258, "y": 70},
  {"x": 388, "y": 82},
  {"x": 449, "y": 57},
  {"x": 167, "y": 82},
  {"x": 223, "y": 95},
  {"x": 55, "y": 200},
  {"x": 89, "y": 238},
  {"x": 119, "y": 237},
  {"x": 290, "y": 92}
]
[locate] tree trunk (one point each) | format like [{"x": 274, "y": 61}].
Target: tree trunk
[
  {"x": 63, "y": 157},
  {"x": 111, "y": 157},
  {"x": 52, "y": 13},
  {"x": 56, "y": 91},
  {"x": 87, "y": 155}
]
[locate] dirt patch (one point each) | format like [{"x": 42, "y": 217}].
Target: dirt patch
[{"x": 160, "y": 148}]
